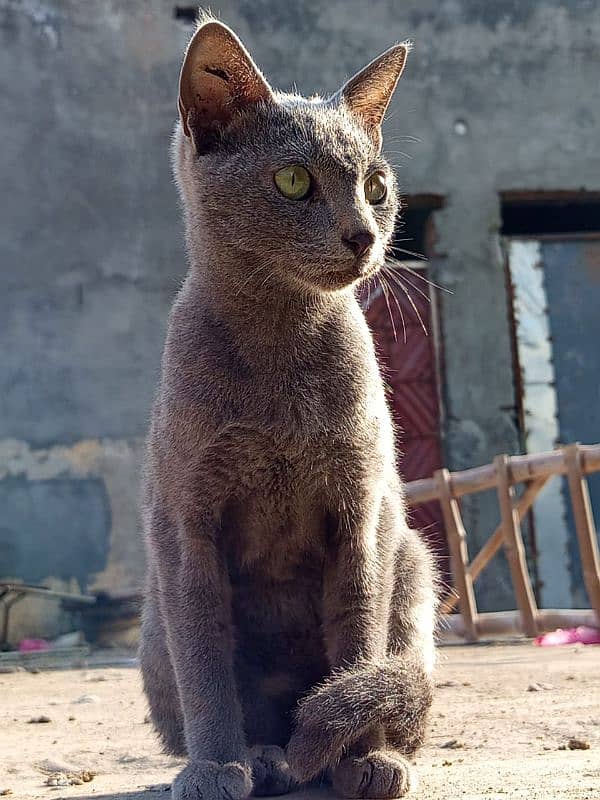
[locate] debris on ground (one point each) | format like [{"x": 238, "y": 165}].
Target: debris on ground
[
  {"x": 87, "y": 698},
  {"x": 62, "y": 774},
  {"x": 38, "y": 720},
  {"x": 5, "y": 792},
  {"x": 540, "y": 687},
  {"x": 576, "y": 744},
  {"x": 580, "y": 635},
  {"x": 33, "y": 645},
  {"x": 69, "y": 778},
  {"x": 453, "y": 744}
]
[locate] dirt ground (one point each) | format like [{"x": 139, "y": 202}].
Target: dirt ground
[{"x": 503, "y": 716}]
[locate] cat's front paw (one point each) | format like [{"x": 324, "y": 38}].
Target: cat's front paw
[
  {"x": 379, "y": 775},
  {"x": 270, "y": 771},
  {"x": 208, "y": 780}
]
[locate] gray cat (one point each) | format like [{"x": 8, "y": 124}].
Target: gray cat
[{"x": 289, "y": 612}]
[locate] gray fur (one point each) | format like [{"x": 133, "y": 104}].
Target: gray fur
[{"x": 288, "y": 603}]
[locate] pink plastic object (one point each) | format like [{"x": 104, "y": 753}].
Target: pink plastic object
[
  {"x": 581, "y": 635},
  {"x": 32, "y": 645}
]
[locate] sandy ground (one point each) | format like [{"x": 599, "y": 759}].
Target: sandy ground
[{"x": 491, "y": 737}]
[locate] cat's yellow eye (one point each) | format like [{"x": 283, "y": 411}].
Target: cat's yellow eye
[
  {"x": 375, "y": 188},
  {"x": 293, "y": 182}
]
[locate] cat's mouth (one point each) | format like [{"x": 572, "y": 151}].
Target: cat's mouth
[{"x": 359, "y": 270}]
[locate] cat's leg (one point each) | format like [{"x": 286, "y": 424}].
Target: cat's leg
[
  {"x": 355, "y": 631},
  {"x": 268, "y": 698},
  {"x": 195, "y": 605},
  {"x": 158, "y": 676},
  {"x": 379, "y": 773},
  {"x": 376, "y": 766},
  {"x": 271, "y": 773},
  {"x": 413, "y": 619},
  {"x": 265, "y": 721}
]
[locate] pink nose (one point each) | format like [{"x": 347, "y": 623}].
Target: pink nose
[{"x": 359, "y": 242}]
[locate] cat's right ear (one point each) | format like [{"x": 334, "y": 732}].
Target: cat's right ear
[
  {"x": 218, "y": 79},
  {"x": 368, "y": 94}
]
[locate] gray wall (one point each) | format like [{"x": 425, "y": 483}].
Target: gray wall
[{"x": 91, "y": 240}]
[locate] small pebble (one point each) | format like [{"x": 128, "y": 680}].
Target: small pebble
[
  {"x": 453, "y": 744},
  {"x": 36, "y": 720},
  {"x": 87, "y": 698},
  {"x": 578, "y": 744}
]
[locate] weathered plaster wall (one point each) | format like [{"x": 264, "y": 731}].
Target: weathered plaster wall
[{"x": 502, "y": 95}]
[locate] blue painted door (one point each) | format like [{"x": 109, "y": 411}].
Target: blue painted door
[{"x": 572, "y": 282}]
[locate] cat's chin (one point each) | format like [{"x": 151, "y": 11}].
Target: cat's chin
[{"x": 336, "y": 280}]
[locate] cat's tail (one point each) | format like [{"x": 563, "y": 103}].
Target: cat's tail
[{"x": 396, "y": 694}]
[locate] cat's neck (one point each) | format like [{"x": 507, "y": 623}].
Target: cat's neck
[{"x": 251, "y": 298}]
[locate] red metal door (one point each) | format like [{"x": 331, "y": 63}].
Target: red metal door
[{"x": 409, "y": 365}]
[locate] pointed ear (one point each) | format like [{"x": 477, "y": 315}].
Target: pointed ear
[
  {"x": 369, "y": 92},
  {"x": 218, "y": 78}
]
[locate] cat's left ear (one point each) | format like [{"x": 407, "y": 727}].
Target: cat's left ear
[
  {"x": 368, "y": 93},
  {"x": 218, "y": 79}
]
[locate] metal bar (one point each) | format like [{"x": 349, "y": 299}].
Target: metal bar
[
  {"x": 24, "y": 588},
  {"x": 459, "y": 556},
  {"x": 514, "y": 548}
]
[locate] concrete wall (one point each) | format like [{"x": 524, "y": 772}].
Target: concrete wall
[{"x": 502, "y": 95}]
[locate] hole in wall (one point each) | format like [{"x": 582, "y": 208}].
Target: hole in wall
[
  {"x": 415, "y": 225},
  {"x": 549, "y": 213},
  {"x": 186, "y": 14}
]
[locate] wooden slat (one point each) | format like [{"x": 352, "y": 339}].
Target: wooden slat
[
  {"x": 459, "y": 556},
  {"x": 584, "y": 525},
  {"x": 514, "y": 548},
  {"x": 522, "y": 468},
  {"x": 494, "y": 543}
]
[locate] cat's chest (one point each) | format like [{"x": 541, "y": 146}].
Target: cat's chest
[{"x": 276, "y": 539}]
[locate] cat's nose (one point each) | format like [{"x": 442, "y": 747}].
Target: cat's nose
[{"x": 359, "y": 242}]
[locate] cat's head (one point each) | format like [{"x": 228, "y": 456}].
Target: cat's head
[{"x": 276, "y": 186}]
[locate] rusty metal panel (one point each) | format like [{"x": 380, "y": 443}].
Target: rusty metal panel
[{"x": 407, "y": 357}]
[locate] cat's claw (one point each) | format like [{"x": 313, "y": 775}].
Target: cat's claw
[
  {"x": 270, "y": 771},
  {"x": 377, "y": 776},
  {"x": 208, "y": 780}
]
